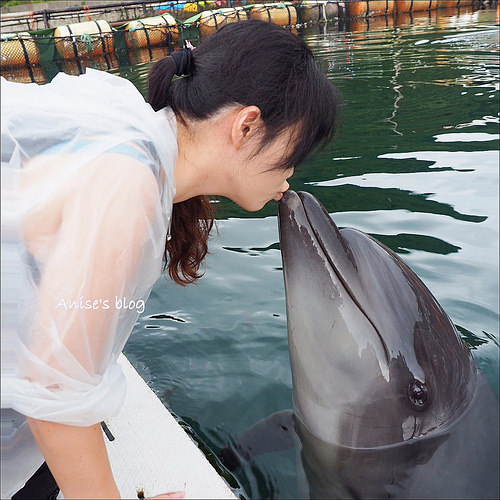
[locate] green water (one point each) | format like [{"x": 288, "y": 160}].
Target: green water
[{"x": 415, "y": 164}]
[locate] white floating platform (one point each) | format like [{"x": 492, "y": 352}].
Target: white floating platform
[{"x": 151, "y": 452}]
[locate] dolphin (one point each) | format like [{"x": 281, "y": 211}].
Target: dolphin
[{"x": 387, "y": 399}]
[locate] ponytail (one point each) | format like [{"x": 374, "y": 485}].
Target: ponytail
[
  {"x": 159, "y": 80},
  {"x": 191, "y": 220}
]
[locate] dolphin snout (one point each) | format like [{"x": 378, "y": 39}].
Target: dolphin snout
[
  {"x": 290, "y": 202},
  {"x": 288, "y": 197}
]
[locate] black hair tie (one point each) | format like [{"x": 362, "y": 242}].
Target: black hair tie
[{"x": 183, "y": 59}]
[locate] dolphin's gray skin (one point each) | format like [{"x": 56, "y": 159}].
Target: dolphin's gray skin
[
  {"x": 386, "y": 394},
  {"x": 387, "y": 399}
]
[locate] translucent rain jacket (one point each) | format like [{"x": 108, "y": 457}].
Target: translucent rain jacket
[{"x": 87, "y": 193}]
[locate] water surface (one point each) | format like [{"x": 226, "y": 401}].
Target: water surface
[{"x": 415, "y": 164}]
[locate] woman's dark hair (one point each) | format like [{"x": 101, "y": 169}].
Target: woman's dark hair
[{"x": 247, "y": 63}]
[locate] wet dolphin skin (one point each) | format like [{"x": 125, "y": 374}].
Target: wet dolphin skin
[{"x": 388, "y": 402}]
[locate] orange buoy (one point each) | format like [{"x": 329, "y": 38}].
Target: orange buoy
[
  {"x": 83, "y": 39},
  {"x": 368, "y": 8},
  {"x": 151, "y": 31},
  {"x": 282, "y": 14},
  {"x": 212, "y": 20},
  {"x": 18, "y": 49},
  {"x": 415, "y": 5}
]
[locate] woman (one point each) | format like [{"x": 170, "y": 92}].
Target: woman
[{"x": 98, "y": 191}]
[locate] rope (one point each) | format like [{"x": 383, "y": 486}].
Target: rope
[
  {"x": 103, "y": 44},
  {"x": 143, "y": 26},
  {"x": 75, "y": 50},
  {"x": 87, "y": 40},
  {"x": 27, "y": 58}
]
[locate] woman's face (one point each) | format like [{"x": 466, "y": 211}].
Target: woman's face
[{"x": 257, "y": 180}]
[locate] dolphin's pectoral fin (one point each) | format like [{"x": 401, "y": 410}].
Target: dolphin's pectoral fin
[
  {"x": 229, "y": 458},
  {"x": 274, "y": 433}
]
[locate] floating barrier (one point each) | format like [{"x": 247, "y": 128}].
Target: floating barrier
[
  {"x": 282, "y": 14},
  {"x": 211, "y": 20},
  {"x": 320, "y": 11},
  {"x": 151, "y": 31},
  {"x": 93, "y": 38},
  {"x": 450, "y": 4},
  {"x": 404, "y": 6},
  {"x": 86, "y": 39},
  {"x": 369, "y": 8},
  {"x": 18, "y": 49}
]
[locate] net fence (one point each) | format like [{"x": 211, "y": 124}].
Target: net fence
[{"x": 75, "y": 44}]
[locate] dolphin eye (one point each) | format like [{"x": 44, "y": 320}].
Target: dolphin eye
[{"x": 418, "y": 394}]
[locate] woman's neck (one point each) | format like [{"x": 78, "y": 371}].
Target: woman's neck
[{"x": 200, "y": 153}]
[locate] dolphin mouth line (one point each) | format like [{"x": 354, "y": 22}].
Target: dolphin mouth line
[{"x": 343, "y": 281}]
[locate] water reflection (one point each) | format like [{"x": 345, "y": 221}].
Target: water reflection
[
  {"x": 397, "y": 171},
  {"x": 415, "y": 164},
  {"x": 25, "y": 75},
  {"x": 404, "y": 243},
  {"x": 349, "y": 198}
]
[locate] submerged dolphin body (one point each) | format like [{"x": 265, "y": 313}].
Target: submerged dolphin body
[{"x": 387, "y": 399}]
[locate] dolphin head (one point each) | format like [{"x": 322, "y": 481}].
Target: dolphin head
[{"x": 375, "y": 359}]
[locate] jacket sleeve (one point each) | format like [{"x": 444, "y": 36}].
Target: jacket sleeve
[{"x": 98, "y": 250}]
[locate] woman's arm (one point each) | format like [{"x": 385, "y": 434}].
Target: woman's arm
[{"x": 77, "y": 458}]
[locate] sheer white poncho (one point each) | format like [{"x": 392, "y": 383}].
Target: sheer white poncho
[{"x": 87, "y": 193}]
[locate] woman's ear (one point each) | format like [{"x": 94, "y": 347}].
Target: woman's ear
[{"x": 247, "y": 123}]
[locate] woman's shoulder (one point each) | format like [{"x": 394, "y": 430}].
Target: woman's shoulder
[{"x": 96, "y": 102}]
